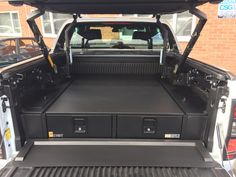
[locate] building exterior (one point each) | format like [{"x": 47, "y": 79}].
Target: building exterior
[{"x": 215, "y": 46}]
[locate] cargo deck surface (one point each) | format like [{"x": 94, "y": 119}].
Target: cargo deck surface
[{"x": 116, "y": 95}]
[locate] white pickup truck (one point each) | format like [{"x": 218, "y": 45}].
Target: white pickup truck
[{"x": 116, "y": 97}]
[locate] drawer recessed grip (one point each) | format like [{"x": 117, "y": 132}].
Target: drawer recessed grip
[
  {"x": 149, "y": 125},
  {"x": 80, "y": 125}
]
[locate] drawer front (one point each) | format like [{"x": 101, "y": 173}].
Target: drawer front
[
  {"x": 149, "y": 126},
  {"x": 79, "y": 126}
]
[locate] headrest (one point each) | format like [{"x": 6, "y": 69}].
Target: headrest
[
  {"x": 141, "y": 35},
  {"x": 93, "y": 34}
]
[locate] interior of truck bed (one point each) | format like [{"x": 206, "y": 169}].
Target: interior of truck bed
[
  {"x": 115, "y": 117},
  {"x": 115, "y": 98}
]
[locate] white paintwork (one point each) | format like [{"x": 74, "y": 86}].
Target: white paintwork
[
  {"x": 223, "y": 120},
  {"x": 5, "y": 123}
]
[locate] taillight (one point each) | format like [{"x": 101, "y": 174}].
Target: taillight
[{"x": 231, "y": 149}]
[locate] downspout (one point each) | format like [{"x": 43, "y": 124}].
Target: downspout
[{"x": 39, "y": 38}]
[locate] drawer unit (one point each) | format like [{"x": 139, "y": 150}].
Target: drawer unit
[
  {"x": 79, "y": 126},
  {"x": 149, "y": 126}
]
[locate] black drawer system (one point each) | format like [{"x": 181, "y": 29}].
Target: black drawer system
[
  {"x": 116, "y": 107},
  {"x": 125, "y": 126},
  {"x": 118, "y": 126}
]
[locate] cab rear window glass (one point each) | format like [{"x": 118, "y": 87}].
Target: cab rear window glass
[{"x": 117, "y": 35}]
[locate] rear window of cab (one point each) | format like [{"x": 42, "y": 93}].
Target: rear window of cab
[{"x": 117, "y": 35}]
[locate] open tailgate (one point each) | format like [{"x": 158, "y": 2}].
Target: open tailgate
[
  {"x": 118, "y": 158},
  {"x": 114, "y": 6}
]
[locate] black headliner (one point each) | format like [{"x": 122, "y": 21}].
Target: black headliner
[{"x": 114, "y": 6}]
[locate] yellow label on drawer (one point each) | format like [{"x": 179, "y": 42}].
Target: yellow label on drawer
[
  {"x": 8, "y": 134},
  {"x": 50, "y": 135}
]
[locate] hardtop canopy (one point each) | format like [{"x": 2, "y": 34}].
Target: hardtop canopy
[{"x": 114, "y": 6}]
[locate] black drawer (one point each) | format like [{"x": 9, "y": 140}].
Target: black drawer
[
  {"x": 149, "y": 126},
  {"x": 79, "y": 126}
]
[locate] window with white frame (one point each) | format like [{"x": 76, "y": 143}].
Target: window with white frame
[
  {"x": 182, "y": 24},
  {"x": 52, "y": 22},
  {"x": 9, "y": 24}
]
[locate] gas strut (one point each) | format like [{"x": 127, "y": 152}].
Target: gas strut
[
  {"x": 194, "y": 37},
  {"x": 39, "y": 38}
]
